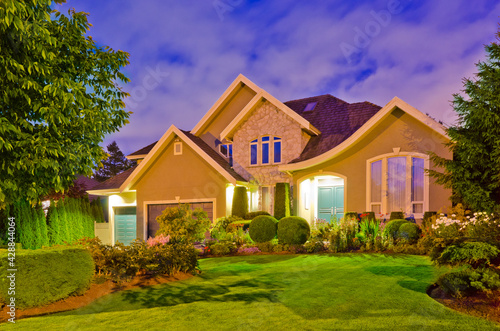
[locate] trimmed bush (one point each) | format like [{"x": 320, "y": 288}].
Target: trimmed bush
[
  {"x": 47, "y": 275},
  {"x": 409, "y": 231},
  {"x": 223, "y": 223},
  {"x": 293, "y": 230},
  {"x": 263, "y": 228},
  {"x": 397, "y": 215},
  {"x": 282, "y": 207},
  {"x": 391, "y": 229},
  {"x": 240, "y": 202},
  {"x": 253, "y": 214}
]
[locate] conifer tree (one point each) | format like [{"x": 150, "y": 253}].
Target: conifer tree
[
  {"x": 114, "y": 164},
  {"x": 474, "y": 172}
]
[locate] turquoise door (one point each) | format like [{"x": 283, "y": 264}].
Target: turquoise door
[
  {"x": 330, "y": 202},
  {"x": 125, "y": 229}
]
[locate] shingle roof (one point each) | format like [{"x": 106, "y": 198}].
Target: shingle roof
[
  {"x": 214, "y": 155},
  {"x": 336, "y": 119},
  {"x": 86, "y": 182},
  {"x": 144, "y": 150},
  {"x": 114, "y": 182}
]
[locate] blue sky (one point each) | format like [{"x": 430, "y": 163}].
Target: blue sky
[{"x": 184, "y": 54}]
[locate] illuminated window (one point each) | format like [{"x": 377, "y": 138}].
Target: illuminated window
[
  {"x": 253, "y": 152},
  {"x": 397, "y": 184}
]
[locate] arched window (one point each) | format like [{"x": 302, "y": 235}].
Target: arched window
[{"x": 398, "y": 183}]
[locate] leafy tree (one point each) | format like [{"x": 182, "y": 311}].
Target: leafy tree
[
  {"x": 59, "y": 97},
  {"x": 114, "y": 164},
  {"x": 474, "y": 172}
]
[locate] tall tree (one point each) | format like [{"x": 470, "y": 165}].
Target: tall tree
[
  {"x": 474, "y": 172},
  {"x": 114, "y": 164},
  {"x": 59, "y": 97}
]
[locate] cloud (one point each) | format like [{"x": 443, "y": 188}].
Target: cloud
[{"x": 290, "y": 48}]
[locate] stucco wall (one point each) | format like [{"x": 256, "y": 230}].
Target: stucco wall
[
  {"x": 399, "y": 130},
  {"x": 267, "y": 120},
  {"x": 187, "y": 176}
]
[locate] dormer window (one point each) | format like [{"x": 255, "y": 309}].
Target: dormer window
[
  {"x": 310, "y": 106},
  {"x": 265, "y": 150}
]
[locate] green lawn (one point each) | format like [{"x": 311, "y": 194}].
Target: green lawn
[{"x": 278, "y": 292}]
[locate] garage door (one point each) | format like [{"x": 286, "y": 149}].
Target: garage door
[{"x": 155, "y": 210}]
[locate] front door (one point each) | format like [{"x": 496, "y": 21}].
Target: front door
[
  {"x": 125, "y": 228},
  {"x": 330, "y": 202}
]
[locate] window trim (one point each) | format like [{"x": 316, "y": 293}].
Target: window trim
[
  {"x": 178, "y": 148},
  {"x": 408, "y": 203},
  {"x": 259, "y": 143}
]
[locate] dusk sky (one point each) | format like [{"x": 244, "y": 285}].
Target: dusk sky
[{"x": 184, "y": 54}]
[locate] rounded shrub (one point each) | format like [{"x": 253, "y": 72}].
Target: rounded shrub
[
  {"x": 392, "y": 228},
  {"x": 253, "y": 214},
  {"x": 397, "y": 215},
  {"x": 293, "y": 230},
  {"x": 409, "y": 231},
  {"x": 263, "y": 228}
]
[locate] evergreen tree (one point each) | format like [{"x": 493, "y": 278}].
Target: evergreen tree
[
  {"x": 54, "y": 225},
  {"x": 114, "y": 164},
  {"x": 474, "y": 172},
  {"x": 64, "y": 227},
  {"x": 42, "y": 228}
]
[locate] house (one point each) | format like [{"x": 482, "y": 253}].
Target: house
[{"x": 337, "y": 157}]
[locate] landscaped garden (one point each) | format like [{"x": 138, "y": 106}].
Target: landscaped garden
[{"x": 338, "y": 291}]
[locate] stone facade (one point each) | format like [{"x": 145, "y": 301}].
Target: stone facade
[{"x": 267, "y": 120}]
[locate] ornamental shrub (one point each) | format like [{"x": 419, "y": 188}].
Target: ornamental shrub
[
  {"x": 427, "y": 219},
  {"x": 234, "y": 226},
  {"x": 391, "y": 229},
  {"x": 351, "y": 215},
  {"x": 409, "y": 232},
  {"x": 282, "y": 207},
  {"x": 263, "y": 228},
  {"x": 475, "y": 254},
  {"x": 183, "y": 224},
  {"x": 369, "y": 215},
  {"x": 47, "y": 275},
  {"x": 253, "y": 214},
  {"x": 397, "y": 215},
  {"x": 222, "y": 223},
  {"x": 467, "y": 281},
  {"x": 240, "y": 202},
  {"x": 293, "y": 230}
]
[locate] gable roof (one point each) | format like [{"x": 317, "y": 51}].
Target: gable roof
[
  {"x": 141, "y": 153},
  {"x": 307, "y": 160},
  {"x": 198, "y": 146},
  {"x": 260, "y": 96},
  {"x": 113, "y": 183},
  {"x": 336, "y": 119}
]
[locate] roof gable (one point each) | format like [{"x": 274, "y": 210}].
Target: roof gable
[
  {"x": 305, "y": 162},
  {"x": 215, "y": 160}
]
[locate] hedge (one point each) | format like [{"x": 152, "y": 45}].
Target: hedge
[
  {"x": 282, "y": 205},
  {"x": 263, "y": 228},
  {"x": 46, "y": 275},
  {"x": 240, "y": 202},
  {"x": 397, "y": 215},
  {"x": 293, "y": 230}
]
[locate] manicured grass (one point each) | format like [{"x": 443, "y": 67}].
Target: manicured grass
[{"x": 279, "y": 292}]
